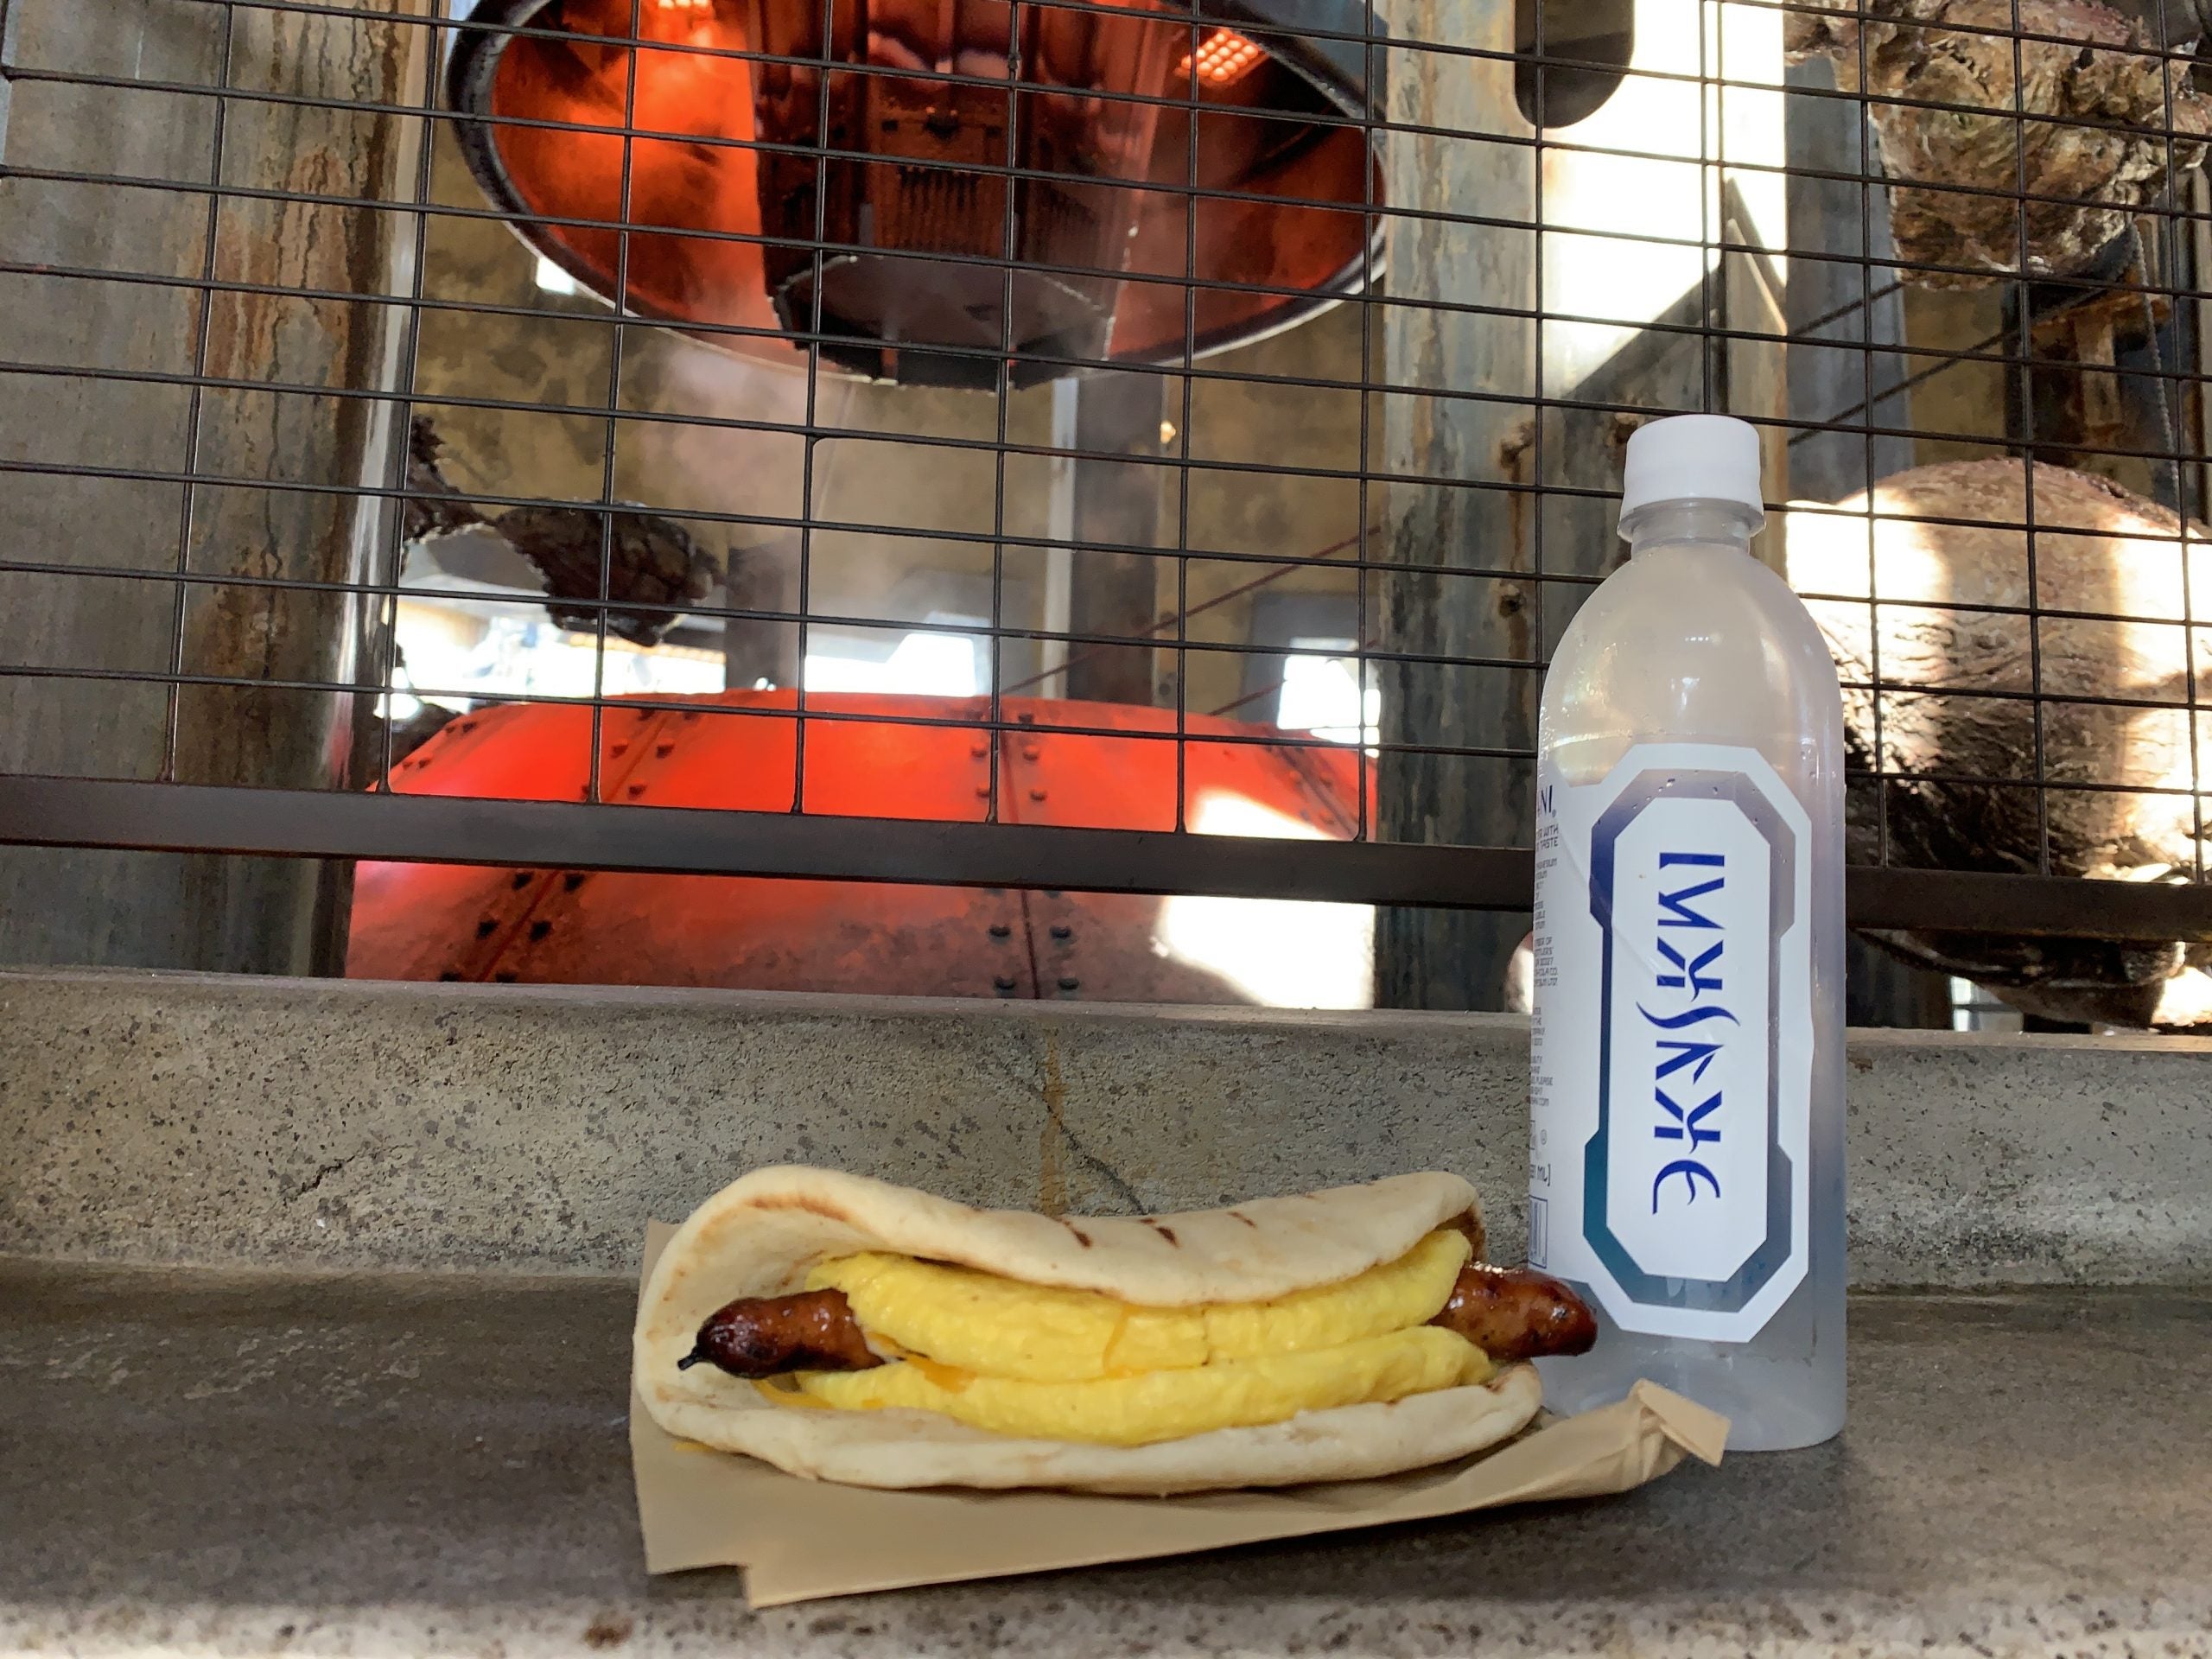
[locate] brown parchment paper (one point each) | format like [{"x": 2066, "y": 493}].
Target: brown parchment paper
[{"x": 797, "y": 1538}]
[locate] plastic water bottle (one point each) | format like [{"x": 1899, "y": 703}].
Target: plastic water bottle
[{"x": 1687, "y": 1097}]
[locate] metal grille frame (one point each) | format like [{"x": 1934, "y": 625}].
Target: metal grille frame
[{"x": 163, "y": 813}]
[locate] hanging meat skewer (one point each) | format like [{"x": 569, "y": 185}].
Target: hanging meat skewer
[
  {"x": 1957, "y": 172},
  {"x": 651, "y": 560}
]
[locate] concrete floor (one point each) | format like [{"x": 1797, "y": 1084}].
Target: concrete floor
[{"x": 199, "y": 1462}]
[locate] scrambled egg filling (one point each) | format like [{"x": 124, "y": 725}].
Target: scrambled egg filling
[
  {"x": 1036, "y": 1361},
  {"x": 1001, "y": 1327},
  {"x": 1168, "y": 1405}
]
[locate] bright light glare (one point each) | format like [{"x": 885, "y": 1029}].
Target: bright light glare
[
  {"x": 678, "y": 19},
  {"x": 454, "y": 664},
  {"x": 922, "y": 665},
  {"x": 400, "y": 703},
  {"x": 552, "y": 279},
  {"x": 1281, "y": 953},
  {"x": 1322, "y": 695}
]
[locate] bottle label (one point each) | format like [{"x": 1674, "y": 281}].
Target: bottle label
[{"x": 1671, "y": 1088}]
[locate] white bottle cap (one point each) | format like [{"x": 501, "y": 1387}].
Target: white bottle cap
[{"x": 1693, "y": 457}]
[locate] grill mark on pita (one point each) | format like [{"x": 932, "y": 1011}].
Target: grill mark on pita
[
  {"x": 1167, "y": 1233},
  {"x": 1240, "y": 1215},
  {"x": 1081, "y": 1237},
  {"x": 813, "y": 1206}
]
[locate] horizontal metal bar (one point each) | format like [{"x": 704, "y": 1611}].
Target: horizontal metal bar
[
  {"x": 432, "y": 208},
  {"x": 1372, "y": 36},
  {"x": 1940, "y": 359},
  {"x": 817, "y": 526},
  {"x": 1232, "y": 469},
  {"x": 1377, "y": 43},
  {"x": 1330, "y": 119},
  {"x": 1895, "y": 692},
  {"x": 429, "y": 209},
  {"x": 2041, "y": 907},
  {"x": 421, "y": 829},
  {"x": 597, "y": 315},
  {"x": 1288, "y": 741},
  {"x": 1279, "y": 566}
]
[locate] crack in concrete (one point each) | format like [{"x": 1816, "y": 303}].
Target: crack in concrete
[
  {"x": 1106, "y": 1172},
  {"x": 324, "y": 1172},
  {"x": 1052, "y": 1195}
]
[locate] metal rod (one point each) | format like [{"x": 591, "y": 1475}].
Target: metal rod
[{"x": 420, "y": 829}]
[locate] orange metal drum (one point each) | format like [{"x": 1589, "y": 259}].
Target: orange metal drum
[{"x": 739, "y": 749}]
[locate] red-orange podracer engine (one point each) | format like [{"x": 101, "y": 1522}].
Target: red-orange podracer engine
[{"x": 933, "y": 191}]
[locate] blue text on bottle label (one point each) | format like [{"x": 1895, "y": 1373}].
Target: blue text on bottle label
[{"x": 1673, "y": 1039}]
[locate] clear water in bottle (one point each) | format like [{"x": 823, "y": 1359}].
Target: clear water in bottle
[{"x": 1686, "y": 1146}]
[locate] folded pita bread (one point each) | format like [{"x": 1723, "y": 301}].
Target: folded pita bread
[{"x": 760, "y": 1235}]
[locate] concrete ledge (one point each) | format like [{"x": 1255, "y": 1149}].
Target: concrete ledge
[{"x": 183, "y": 1118}]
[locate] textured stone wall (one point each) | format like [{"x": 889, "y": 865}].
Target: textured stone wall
[{"x": 172, "y": 1117}]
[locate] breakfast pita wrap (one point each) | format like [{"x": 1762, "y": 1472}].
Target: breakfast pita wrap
[{"x": 765, "y": 1234}]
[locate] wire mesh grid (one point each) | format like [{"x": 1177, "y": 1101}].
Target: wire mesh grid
[{"x": 1068, "y": 445}]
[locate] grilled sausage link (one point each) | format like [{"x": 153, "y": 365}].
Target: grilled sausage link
[
  {"x": 1517, "y": 1313},
  {"x": 1510, "y": 1313},
  {"x": 765, "y": 1336}
]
